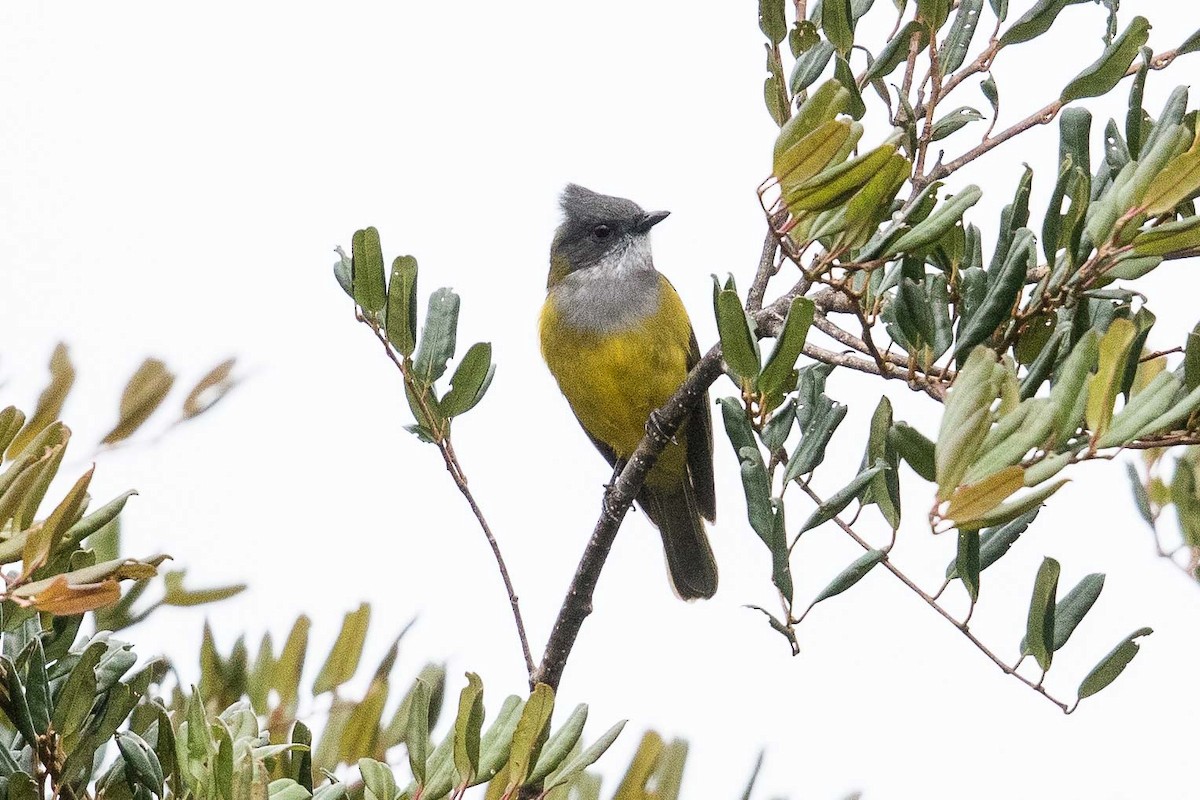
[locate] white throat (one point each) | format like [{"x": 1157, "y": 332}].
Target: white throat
[{"x": 615, "y": 294}]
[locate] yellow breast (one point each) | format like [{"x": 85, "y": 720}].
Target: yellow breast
[{"x": 614, "y": 379}]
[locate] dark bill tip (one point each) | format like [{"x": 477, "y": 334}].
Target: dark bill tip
[{"x": 650, "y": 219}]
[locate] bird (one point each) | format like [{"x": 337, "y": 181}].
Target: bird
[{"x": 617, "y": 339}]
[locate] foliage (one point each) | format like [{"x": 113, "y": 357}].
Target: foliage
[{"x": 1037, "y": 352}]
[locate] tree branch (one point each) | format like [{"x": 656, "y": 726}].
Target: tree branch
[{"x": 618, "y": 497}]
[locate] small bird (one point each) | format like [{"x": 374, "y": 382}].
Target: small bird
[{"x": 618, "y": 340}]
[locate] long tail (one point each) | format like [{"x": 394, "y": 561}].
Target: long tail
[{"x": 690, "y": 560}]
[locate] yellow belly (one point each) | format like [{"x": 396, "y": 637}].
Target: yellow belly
[{"x": 614, "y": 380}]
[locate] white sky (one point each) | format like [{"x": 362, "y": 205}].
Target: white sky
[{"x": 175, "y": 182}]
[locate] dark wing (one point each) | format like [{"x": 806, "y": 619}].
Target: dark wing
[
  {"x": 700, "y": 447},
  {"x": 605, "y": 450}
]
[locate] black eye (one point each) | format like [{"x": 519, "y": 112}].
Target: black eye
[{"x": 601, "y": 231}]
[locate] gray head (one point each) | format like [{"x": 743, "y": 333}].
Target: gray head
[{"x": 596, "y": 228}]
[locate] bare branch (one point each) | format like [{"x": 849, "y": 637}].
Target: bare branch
[{"x": 766, "y": 271}]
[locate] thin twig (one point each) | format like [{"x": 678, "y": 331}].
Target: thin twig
[
  {"x": 929, "y": 600},
  {"x": 1040, "y": 117},
  {"x": 766, "y": 271},
  {"x": 460, "y": 480}
]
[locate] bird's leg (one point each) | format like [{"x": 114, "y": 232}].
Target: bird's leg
[
  {"x": 654, "y": 427},
  {"x": 618, "y": 468}
]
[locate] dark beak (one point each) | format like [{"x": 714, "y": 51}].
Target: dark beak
[{"x": 649, "y": 220}]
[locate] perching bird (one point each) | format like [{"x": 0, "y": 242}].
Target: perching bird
[{"x": 617, "y": 338}]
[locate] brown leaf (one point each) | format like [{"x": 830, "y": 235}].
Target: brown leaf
[
  {"x": 210, "y": 389},
  {"x": 50, "y": 403},
  {"x": 144, "y": 393},
  {"x": 65, "y": 599}
]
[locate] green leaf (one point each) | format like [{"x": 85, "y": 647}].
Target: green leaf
[
  {"x": 779, "y": 426},
  {"x": 559, "y": 746},
  {"x": 834, "y": 186},
  {"x": 851, "y": 574},
  {"x": 533, "y": 730},
  {"x": 1003, "y": 288},
  {"x": 826, "y": 102},
  {"x": 771, "y": 20},
  {"x": 1104, "y": 385},
  {"x": 938, "y": 223},
  {"x": 401, "y": 320},
  {"x": 915, "y": 448},
  {"x": 952, "y": 121},
  {"x": 896, "y": 51},
  {"x": 739, "y": 348},
  {"x": 803, "y": 37},
  {"x": 342, "y": 269},
  {"x": 842, "y": 498},
  {"x": 416, "y": 740},
  {"x": 757, "y": 485},
  {"x": 781, "y": 568},
  {"x": 967, "y": 563},
  {"x": 1190, "y": 45},
  {"x": 819, "y": 418},
  {"x": 837, "y": 24},
  {"x": 343, "y": 659},
  {"x": 1170, "y": 237},
  {"x": 378, "y": 781},
  {"x": 776, "y": 102},
  {"x": 1039, "y": 629},
  {"x": 1070, "y": 611},
  {"x": 142, "y": 766},
  {"x": 1034, "y": 22},
  {"x": 437, "y": 336},
  {"x": 954, "y": 49},
  {"x": 78, "y": 694},
  {"x": 811, "y": 153},
  {"x": 37, "y": 686},
  {"x": 467, "y": 728},
  {"x": 871, "y": 205},
  {"x": 884, "y": 490},
  {"x": 992, "y": 92},
  {"x": 1179, "y": 181},
  {"x": 470, "y": 381},
  {"x": 13, "y": 701},
  {"x": 586, "y": 758},
  {"x": 11, "y": 420},
  {"x": 291, "y": 662},
  {"x": 933, "y": 12},
  {"x": 809, "y": 66},
  {"x": 1112, "y": 664},
  {"x": 737, "y": 424},
  {"x": 495, "y": 745},
  {"x": 788, "y": 347},
  {"x": 367, "y": 271},
  {"x": 966, "y": 419},
  {"x": 1106, "y": 71},
  {"x": 1135, "y": 115},
  {"x": 845, "y": 76}
]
